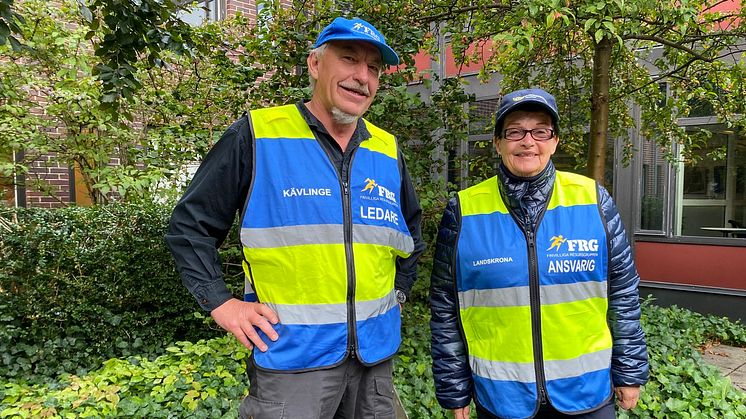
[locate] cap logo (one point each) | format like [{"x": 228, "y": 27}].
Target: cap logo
[
  {"x": 360, "y": 28},
  {"x": 529, "y": 96}
]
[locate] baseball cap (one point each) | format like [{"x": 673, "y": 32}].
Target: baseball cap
[
  {"x": 357, "y": 29},
  {"x": 526, "y": 98}
]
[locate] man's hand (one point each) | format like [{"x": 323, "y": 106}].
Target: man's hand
[
  {"x": 239, "y": 318},
  {"x": 461, "y": 413},
  {"x": 626, "y": 397}
]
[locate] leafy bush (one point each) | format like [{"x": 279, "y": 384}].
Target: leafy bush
[
  {"x": 413, "y": 374},
  {"x": 681, "y": 384},
  {"x": 201, "y": 380},
  {"x": 206, "y": 379},
  {"x": 81, "y": 285}
]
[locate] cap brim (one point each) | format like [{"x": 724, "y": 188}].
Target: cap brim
[
  {"x": 524, "y": 103},
  {"x": 388, "y": 56}
]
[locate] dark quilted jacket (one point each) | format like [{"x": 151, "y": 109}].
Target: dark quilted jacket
[{"x": 526, "y": 198}]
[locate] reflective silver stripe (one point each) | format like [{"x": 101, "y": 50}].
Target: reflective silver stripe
[
  {"x": 566, "y": 368},
  {"x": 332, "y": 313},
  {"x": 553, "y": 370},
  {"x": 383, "y": 236},
  {"x": 368, "y": 309},
  {"x": 519, "y": 296},
  {"x": 564, "y": 293},
  {"x": 274, "y": 237},
  {"x": 310, "y": 313},
  {"x": 522, "y": 372},
  {"x": 499, "y": 297}
]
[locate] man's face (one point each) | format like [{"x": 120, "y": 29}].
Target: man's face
[
  {"x": 526, "y": 157},
  {"x": 346, "y": 75}
]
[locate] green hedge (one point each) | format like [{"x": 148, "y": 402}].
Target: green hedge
[
  {"x": 207, "y": 379},
  {"x": 82, "y": 285}
]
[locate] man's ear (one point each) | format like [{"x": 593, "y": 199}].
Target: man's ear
[{"x": 313, "y": 65}]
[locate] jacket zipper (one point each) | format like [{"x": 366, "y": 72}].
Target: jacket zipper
[{"x": 533, "y": 285}]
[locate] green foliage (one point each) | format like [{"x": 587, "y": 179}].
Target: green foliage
[
  {"x": 126, "y": 31},
  {"x": 681, "y": 384},
  {"x": 193, "y": 380},
  {"x": 413, "y": 375},
  {"x": 690, "y": 45},
  {"x": 9, "y": 24},
  {"x": 182, "y": 108},
  {"x": 207, "y": 378},
  {"x": 81, "y": 285},
  {"x": 54, "y": 76}
]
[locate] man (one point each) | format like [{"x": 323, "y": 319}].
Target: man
[
  {"x": 535, "y": 307},
  {"x": 330, "y": 229}
]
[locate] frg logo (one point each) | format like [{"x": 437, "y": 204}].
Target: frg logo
[{"x": 573, "y": 245}]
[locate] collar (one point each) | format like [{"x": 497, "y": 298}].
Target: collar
[
  {"x": 361, "y": 131},
  {"x": 519, "y": 192}
]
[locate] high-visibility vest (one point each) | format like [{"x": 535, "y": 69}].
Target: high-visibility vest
[
  {"x": 320, "y": 249},
  {"x": 533, "y": 305}
]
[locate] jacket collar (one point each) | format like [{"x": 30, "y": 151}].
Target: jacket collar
[{"x": 526, "y": 195}]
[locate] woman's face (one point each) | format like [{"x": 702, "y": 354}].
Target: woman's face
[{"x": 526, "y": 157}]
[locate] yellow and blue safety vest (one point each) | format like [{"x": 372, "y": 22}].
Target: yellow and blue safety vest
[
  {"x": 320, "y": 249},
  {"x": 533, "y": 305}
]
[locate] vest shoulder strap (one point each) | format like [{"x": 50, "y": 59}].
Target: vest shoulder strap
[
  {"x": 279, "y": 122},
  {"x": 573, "y": 189},
  {"x": 380, "y": 140},
  {"x": 482, "y": 198}
]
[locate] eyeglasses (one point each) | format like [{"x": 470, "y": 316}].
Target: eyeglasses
[{"x": 538, "y": 134}]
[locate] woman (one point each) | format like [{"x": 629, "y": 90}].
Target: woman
[{"x": 535, "y": 307}]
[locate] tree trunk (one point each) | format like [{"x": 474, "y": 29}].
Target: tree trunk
[{"x": 599, "y": 110}]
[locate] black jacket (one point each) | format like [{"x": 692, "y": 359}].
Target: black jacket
[{"x": 526, "y": 198}]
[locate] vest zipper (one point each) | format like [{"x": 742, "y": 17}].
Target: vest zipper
[
  {"x": 533, "y": 286},
  {"x": 347, "y": 221}
]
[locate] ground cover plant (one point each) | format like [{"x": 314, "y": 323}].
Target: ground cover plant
[
  {"x": 207, "y": 378},
  {"x": 681, "y": 384}
]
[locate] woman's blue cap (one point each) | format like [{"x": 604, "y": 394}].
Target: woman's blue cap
[{"x": 357, "y": 29}]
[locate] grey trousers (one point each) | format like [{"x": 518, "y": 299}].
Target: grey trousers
[{"x": 348, "y": 391}]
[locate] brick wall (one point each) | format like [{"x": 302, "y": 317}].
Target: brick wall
[
  {"x": 48, "y": 183},
  {"x": 246, "y": 7}
]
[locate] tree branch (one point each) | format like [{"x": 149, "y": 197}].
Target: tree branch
[
  {"x": 451, "y": 12},
  {"x": 671, "y": 44}
]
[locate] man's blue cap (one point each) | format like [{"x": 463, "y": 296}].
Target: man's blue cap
[
  {"x": 526, "y": 98},
  {"x": 356, "y": 29}
]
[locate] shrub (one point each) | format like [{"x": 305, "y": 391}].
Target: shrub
[
  {"x": 201, "y": 380},
  {"x": 206, "y": 379},
  {"x": 413, "y": 374},
  {"x": 681, "y": 385},
  {"x": 81, "y": 285}
]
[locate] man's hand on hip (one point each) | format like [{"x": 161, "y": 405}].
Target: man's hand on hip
[{"x": 240, "y": 318}]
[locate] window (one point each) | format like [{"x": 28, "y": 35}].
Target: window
[
  {"x": 481, "y": 116},
  {"x": 652, "y": 187},
  {"x": 203, "y": 11},
  {"x": 711, "y": 190},
  {"x": 476, "y": 160}
]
